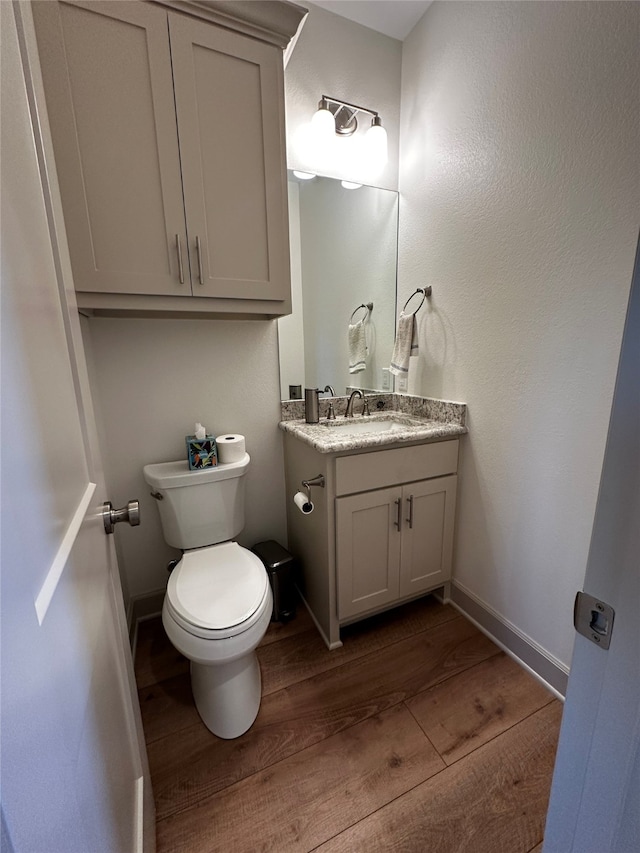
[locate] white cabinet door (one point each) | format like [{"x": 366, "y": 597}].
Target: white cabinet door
[
  {"x": 229, "y": 102},
  {"x": 109, "y": 89},
  {"x": 367, "y": 550},
  {"x": 427, "y": 536}
]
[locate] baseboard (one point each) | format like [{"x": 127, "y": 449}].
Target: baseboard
[
  {"x": 330, "y": 646},
  {"x": 545, "y": 669},
  {"x": 143, "y": 607}
]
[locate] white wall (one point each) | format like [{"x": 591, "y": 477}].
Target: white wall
[
  {"x": 152, "y": 379},
  {"x": 344, "y": 60},
  {"x": 520, "y": 192}
]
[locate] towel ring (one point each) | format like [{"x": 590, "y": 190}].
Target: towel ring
[
  {"x": 368, "y": 308},
  {"x": 425, "y": 291}
]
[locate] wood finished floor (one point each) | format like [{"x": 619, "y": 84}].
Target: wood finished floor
[{"x": 417, "y": 735}]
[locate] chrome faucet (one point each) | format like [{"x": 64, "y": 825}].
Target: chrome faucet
[
  {"x": 349, "y": 411},
  {"x": 329, "y": 388}
]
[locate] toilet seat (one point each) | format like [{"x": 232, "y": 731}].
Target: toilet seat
[{"x": 218, "y": 591}]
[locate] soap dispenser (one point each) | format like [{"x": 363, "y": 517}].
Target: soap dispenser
[{"x": 312, "y": 405}]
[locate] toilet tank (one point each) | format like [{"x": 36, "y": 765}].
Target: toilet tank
[{"x": 198, "y": 508}]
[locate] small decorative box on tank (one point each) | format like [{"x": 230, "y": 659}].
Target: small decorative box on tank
[{"x": 201, "y": 449}]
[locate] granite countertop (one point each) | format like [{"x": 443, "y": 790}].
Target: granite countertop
[{"x": 411, "y": 420}]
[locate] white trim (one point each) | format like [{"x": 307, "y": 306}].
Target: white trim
[
  {"x": 508, "y": 651},
  {"x": 330, "y": 646},
  {"x": 511, "y": 627},
  {"x": 54, "y": 574},
  {"x": 514, "y": 643},
  {"x": 139, "y": 815},
  {"x": 142, "y": 607}
]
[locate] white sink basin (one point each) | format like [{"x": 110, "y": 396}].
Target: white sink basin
[{"x": 359, "y": 427}]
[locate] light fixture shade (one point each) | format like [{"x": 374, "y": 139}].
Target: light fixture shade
[
  {"x": 323, "y": 125},
  {"x": 304, "y": 176},
  {"x": 376, "y": 142}
]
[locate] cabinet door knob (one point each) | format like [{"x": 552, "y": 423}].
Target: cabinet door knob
[
  {"x": 410, "y": 519},
  {"x": 199, "y": 253},
  {"x": 398, "y": 521},
  {"x": 180, "y": 267}
]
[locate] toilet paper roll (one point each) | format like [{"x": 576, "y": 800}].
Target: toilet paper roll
[
  {"x": 300, "y": 500},
  {"x": 231, "y": 448}
]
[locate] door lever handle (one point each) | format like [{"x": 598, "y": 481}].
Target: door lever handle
[{"x": 111, "y": 516}]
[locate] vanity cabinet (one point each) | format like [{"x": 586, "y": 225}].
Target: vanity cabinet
[
  {"x": 168, "y": 133},
  {"x": 393, "y": 543},
  {"x": 381, "y": 532}
]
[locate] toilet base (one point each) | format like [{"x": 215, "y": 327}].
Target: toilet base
[{"x": 227, "y": 696}]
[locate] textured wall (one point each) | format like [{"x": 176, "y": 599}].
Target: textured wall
[
  {"x": 342, "y": 59},
  {"x": 520, "y": 193},
  {"x": 152, "y": 379}
]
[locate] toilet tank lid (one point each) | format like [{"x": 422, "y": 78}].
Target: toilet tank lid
[{"x": 172, "y": 475}]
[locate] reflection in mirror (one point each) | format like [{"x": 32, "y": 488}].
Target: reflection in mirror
[{"x": 344, "y": 245}]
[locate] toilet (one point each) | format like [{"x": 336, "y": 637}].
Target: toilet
[{"x": 218, "y": 602}]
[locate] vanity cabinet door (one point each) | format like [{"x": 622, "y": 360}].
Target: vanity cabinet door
[
  {"x": 392, "y": 544},
  {"x": 229, "y": 105},
  {"x": 427, "y": 535},
  {"x": 367, "y": 550},
  {"x": 108, "y": 84}
]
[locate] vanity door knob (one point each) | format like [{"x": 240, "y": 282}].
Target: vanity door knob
[
  {"x": 410, "y": 519},
  {"x": 398, "y": 521}
]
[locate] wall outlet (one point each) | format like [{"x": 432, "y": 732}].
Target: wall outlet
[
  {"x": 401, "y": 384},
  {"x": 386, "y": 379}
]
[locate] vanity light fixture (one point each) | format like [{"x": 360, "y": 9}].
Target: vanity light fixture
[{"x": 339, "y": 118}]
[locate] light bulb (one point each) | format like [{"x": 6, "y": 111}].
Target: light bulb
[
  {"x": 304, "y": 176},
  {"x": 376, "y": 146},
  {"x": 350, "y": 185},
  {"x": 323, "y": 123}
]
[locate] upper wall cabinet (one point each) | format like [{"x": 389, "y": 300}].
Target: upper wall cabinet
[{"x": 168, "y": 133}]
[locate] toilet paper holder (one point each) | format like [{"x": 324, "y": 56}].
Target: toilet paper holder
[{"x": 313, "y": 481}]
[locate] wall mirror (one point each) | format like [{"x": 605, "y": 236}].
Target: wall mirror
[{"x": 344, "y": 249}]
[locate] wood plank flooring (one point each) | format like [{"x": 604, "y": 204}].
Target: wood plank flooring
[{"x": 417, "y": 735}]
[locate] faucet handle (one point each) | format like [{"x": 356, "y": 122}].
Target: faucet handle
[
  {"x": 331, "y": 415},
  {"x": 365, "y": 406}
]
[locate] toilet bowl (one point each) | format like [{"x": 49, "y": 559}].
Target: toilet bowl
[
  {"x": 217, "y": 608},
  {"x": 218, "y": 602}
]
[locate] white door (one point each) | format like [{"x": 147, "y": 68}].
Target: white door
[
  {"x": 74, "y": 772},
  {"x": 595, "y": 796}
]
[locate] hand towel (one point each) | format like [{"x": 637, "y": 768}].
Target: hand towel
[
  {"x": 406, "y": 344},
  {"x": 357, "y": 347}
]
